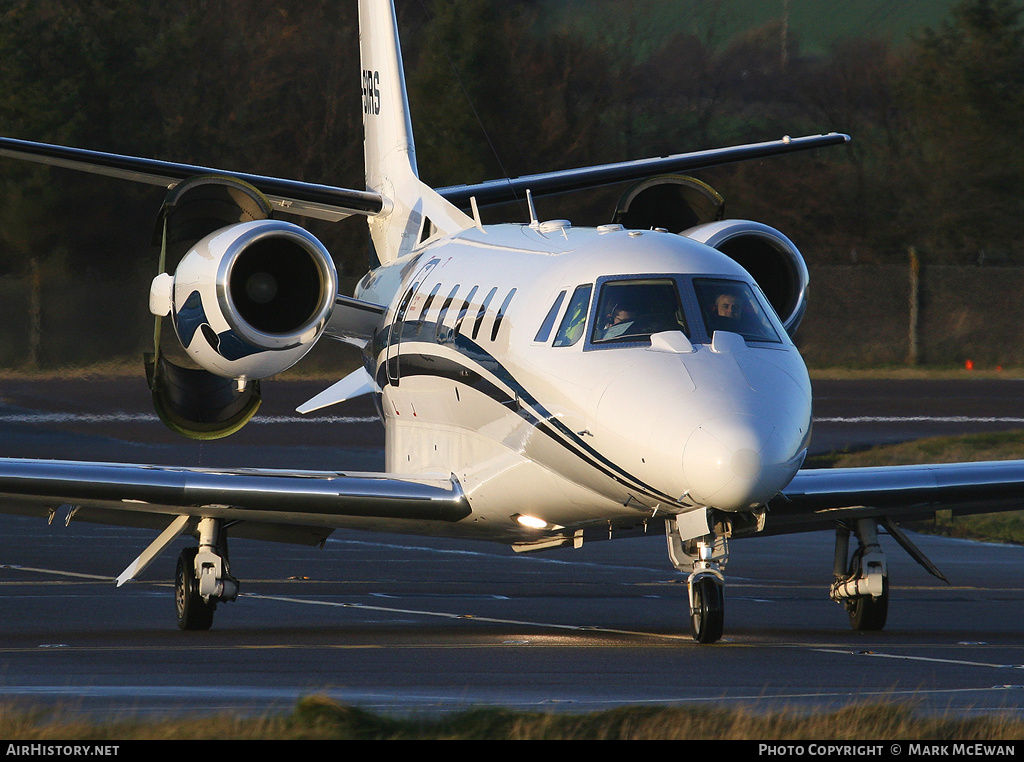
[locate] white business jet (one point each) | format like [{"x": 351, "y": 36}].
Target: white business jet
[{"x": 541, "y": 385}]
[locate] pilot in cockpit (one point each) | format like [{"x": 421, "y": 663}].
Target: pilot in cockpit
[
  {"x": 728, "y": 305},
  {"x": 732, "y": 306},
  {"x": 619, "y": 320}
]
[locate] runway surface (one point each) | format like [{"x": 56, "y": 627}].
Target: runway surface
[{"x": 399, "y": 624}]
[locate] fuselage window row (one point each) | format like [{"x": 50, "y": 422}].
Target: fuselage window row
[{"x": 463, "y": 311}]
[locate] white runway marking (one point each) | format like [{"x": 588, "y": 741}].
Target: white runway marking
[
  {"x": 920, "y": 419},
  {"x": 55, "y": 572},
  {"x": 446, "y": 615},
  {"x": 150, "y": 418},
  {"x": 904, "y": 657}
]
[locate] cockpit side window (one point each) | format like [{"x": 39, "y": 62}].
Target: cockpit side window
[
  {"x": 728, "y": 305},
  {"x": 631, "y": 310},
  {"x": 571, "y": 329},
  {"x": 549, "y": 321}
]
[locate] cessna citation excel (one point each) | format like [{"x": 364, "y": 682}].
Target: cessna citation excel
[{"x": 540, "y": 385}]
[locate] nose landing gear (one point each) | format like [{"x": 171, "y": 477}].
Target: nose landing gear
[
  {"x": 694, "y": 547},
  {"x": 707, "y": 608}
]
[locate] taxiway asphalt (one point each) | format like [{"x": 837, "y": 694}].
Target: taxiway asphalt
[{"x": 406, "y": 624}]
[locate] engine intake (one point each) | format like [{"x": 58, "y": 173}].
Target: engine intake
[{"x": 249, "y": 300}]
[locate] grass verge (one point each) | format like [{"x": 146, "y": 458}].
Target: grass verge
[{"x": 321, "y": 718}]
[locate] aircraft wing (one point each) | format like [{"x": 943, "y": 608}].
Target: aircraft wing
[
  {"x": 290, "y": 196},
  {"x": 550, "y": 183},
  {"x": 290, "y": 506},
  {"x": 816, "y": 498}
]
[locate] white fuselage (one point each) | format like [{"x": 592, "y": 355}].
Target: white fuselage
[{"x": 486, "y": 370}]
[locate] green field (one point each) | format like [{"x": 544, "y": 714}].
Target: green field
[{"x": 815, "y": 24}]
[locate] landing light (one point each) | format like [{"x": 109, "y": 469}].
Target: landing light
[{"x": 532, "y": 522}]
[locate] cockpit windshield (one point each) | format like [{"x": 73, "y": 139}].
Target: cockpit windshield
[
  {"x": 621, "y": 311},
  {"x": 728, "y": 305},
  {"x": 631, "y": 310}
]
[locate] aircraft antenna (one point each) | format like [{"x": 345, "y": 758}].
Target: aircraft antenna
[
  {"x": 534, "y": 222},
  {"x": 476, "y": 214}
]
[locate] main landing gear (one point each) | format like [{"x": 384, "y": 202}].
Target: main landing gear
[
  {"x": 202, "y": 578},
  {"x": 861, "y": 581}
]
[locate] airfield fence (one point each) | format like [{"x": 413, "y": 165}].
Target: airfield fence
[
  {"x": 868, "y": 316},
  {"x": 858, "y": 316}
]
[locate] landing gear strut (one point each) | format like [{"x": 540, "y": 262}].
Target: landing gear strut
[
  {"x": 862, "y": 584},
  {"x": 202, "y": 578}
]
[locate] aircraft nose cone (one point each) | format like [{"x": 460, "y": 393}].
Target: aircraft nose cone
[{"x": 736, "y": 462}]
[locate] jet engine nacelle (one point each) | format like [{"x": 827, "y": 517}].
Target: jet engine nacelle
[
  {"x": 250, "y": 299},
  {"x": 771, "y": 258}
]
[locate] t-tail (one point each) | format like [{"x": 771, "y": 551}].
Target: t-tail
[{"x": 414, "y": 212}]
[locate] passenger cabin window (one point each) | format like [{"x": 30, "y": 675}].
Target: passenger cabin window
[
  {"x": 501, "y": 315},
  {"x": 483, "y": 311},
  {"x": 728, "y": 305},
  {"x": 575, "y": 319},
  {"x": 631, "y": 310},
  {"x": 444, "y": 311},
  {"x": 465, "y": 309},
  {"x": 427, "y": 302}
]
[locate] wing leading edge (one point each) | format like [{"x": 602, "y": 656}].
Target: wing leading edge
[
  {"x": 291, "y": 196},
  {"x": 817, "y": 498},
  {"x": 566, "y": 181},
  {"x": 315, "y": 499}
]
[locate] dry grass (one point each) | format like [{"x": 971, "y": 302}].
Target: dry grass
[
  {"x": 996, "y": 445},
  {"x": 318, "y": 717}
]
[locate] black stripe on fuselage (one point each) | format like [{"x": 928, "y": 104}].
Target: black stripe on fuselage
[{"x": 518, "y": 400}]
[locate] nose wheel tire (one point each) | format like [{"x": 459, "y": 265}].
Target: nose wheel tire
[
  {"x": 707, "y": 612},
  {"x": 193, "y": 612}
]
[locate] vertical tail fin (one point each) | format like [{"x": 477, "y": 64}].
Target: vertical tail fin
[{"x": 390, "y": 154}]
